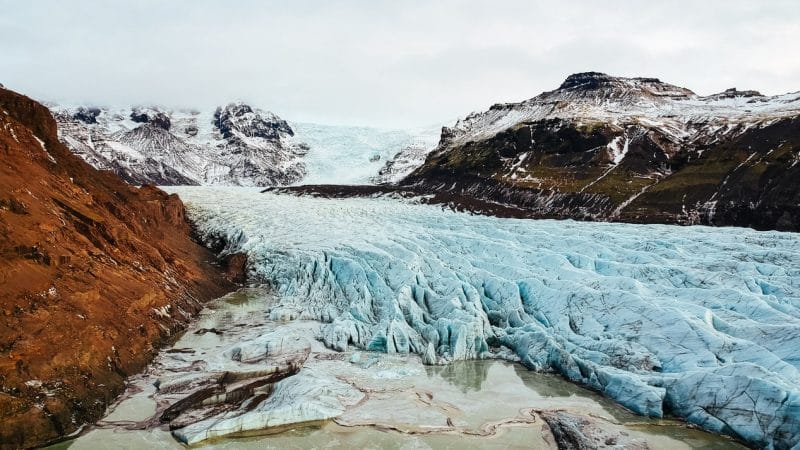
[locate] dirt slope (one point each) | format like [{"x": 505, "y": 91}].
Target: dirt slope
[{"x": 94, "y": 275}]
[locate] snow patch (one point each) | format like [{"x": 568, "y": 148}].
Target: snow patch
[
  {"x": 44, "y": 149},
  {"x": 618, "y": 153}
]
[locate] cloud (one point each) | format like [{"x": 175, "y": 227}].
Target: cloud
[{"x": 384, "y": 63}]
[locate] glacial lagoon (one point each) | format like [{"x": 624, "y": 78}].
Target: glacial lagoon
[{"x": 464, "y": 404}]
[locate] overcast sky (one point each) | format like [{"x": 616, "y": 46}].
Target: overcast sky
[{"x": 384, "y": 63}]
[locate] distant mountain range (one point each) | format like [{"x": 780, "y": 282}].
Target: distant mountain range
[
  {"x": 597, "y": 148},
  {"x": 234, "y": 144}
]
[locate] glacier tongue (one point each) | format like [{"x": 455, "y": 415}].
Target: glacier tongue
[
  {"x": 362, "y": 155},
  {"x": 699, "y": 322}
]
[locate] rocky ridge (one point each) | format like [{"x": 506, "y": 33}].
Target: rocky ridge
[
  {"x": 234, "y": 144},
  {"x": 94, "y": 275},
  {"x": 628, "y": 149}
]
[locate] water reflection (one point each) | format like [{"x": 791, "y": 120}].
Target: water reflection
[
  {"x": 546, "y": 385},
  {"x": 466, "y": 375}
]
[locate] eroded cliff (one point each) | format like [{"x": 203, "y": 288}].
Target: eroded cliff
[{"x": 94, "y": 275}]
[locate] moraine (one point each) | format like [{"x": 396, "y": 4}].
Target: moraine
[{"x": 696, "y": 322}]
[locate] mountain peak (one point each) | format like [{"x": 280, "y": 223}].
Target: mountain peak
[
  {"x": 586, "y": 80},
  {"x": 593, "y": 85},
  {"x": 251, "y": 121},
  {"x": 733, "y": 93},
  {"x": 598, "y": 80}
]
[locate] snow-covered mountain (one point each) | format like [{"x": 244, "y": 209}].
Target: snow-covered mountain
[
  {"x": 234, "y": 144},
  {"x": 630, "y": 149},
  {"x": 237, "y": 145},
  {"x": 599, "y": 147},
  {"x": 684, "y": 118}
]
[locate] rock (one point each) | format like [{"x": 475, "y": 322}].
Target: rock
[
  {"x": 235, "y": 144},
  {"x": 14, "y": 205},
  {"x": 236, "y": 118},
  {"x": 306, "y": 398},
  {"x": 161, "y": 120},
  {"x": 139, "y": 116},
  {"x": 575, "y": 432},
  {"x": 235, "y": 266},
  {"x": 625, "y": 149},
  {"x": 84, "y": 252},
  {"x": 151, "y": 116},
  {"x": 87, "y": 115}
]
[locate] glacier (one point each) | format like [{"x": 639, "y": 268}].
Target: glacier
[
  {"x": 698, "y": 322},
  {"x": 362, "y": 155}
]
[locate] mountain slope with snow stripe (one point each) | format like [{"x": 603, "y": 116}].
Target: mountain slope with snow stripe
[
  {"x": 232, "y": 145},
  {"x": 632, "y": 149}
]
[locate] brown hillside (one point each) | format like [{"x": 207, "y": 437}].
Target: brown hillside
[{"x": 94, "y": 275}]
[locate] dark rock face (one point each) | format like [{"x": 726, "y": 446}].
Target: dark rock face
[
  {"x": 161, "y": 120},
  {"x": 750, "y": 181},
  {"x": 733, "y": 93},
  {"x": 599, "y": 86},
  {"x": 573, "y": 432},
  {"x": 586, "y": 80},
  {"x": 242, "y": 118},
  {"x": 236, "y": 267},
  {"x": 87, "y": 115},
  {"x": 628, "y": 149},
  {"x": 156, "y": 118},
  {"x": 140, "y": 117}
]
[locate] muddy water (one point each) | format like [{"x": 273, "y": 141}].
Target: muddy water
[{"x": 469, "y": 404}]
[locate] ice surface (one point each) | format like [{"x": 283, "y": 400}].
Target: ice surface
[
  {"x": 354, "y": 155},
  {"x": 306, "y": 397},
  {"x": 696, "y": 321}
]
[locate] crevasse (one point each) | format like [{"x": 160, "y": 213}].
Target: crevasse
[{"x": 699, "y": 322}]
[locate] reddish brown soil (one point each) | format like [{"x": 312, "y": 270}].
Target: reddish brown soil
[{"x": 94, "y": 275}]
